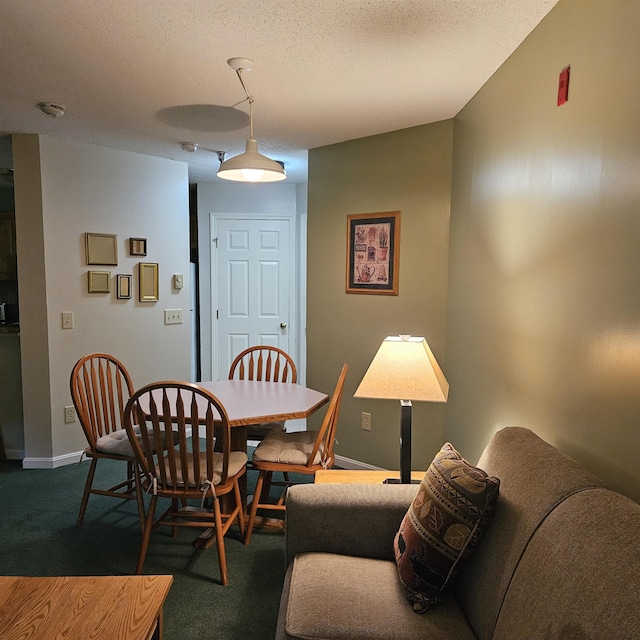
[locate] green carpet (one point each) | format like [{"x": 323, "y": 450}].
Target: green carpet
[{"x": 39, "y": 537}]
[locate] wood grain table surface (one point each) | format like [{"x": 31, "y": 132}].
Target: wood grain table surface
[
  {"x": 366, "y": 476},
  {"x": 82, "y": 607}
]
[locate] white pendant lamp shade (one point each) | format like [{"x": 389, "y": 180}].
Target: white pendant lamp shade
[{"x": 251, "y": 166}]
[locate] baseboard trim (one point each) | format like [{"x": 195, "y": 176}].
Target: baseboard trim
[
  {"x": 52, "y": 463},
  {"x": 70, "y": 458},
  {"x": 349, "y": 463}
]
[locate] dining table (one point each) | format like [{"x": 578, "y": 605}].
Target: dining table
[{"x": 254, "y": 402}]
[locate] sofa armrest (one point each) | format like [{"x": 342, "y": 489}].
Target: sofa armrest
[{"x": 349, "y": 519}]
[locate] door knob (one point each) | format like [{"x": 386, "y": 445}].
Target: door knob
[{"x": 283, "y": 325}]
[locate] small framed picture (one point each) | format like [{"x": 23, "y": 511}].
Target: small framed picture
[
  {"x": 99, "y": 281},
  {"x": 137, "y": 246},
  {"x": 123, "y": 286},
  {"x": 373, "y": 253},
  {"x": 148, "y": 281},
  {"x": 101, "y": 248}
]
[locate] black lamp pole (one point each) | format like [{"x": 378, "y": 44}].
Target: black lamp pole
[
  {"x": 405, "y": 445},
  {"x": 405, "y": 441}
]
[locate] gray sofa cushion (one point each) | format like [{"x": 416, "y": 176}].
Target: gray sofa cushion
[
  {"x": 534, "y": 478},
  {"x": 333, "y": 596},
  {"x": 350, "y": 519},
  {"x": 563, "y": 586}
]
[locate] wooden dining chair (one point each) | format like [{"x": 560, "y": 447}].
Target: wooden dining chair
[
  {"x": 296, "y": 452},
  {"x": 100, "y": 388},
  {"x": 169, "y": 416},
  {"x": 268, "y": 364}
]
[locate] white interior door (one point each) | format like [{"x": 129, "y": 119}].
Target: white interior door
[{"x": 252, "y": 287}]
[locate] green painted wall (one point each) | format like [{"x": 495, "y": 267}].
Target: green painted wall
[
  {"x": 544, "y": 321},
  {"x": 407, "y": 171}
]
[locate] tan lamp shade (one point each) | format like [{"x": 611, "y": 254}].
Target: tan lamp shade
[{"x": 404, "y": 369}]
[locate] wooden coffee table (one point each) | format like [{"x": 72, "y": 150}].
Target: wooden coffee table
[{"x": 96, "y": 607}]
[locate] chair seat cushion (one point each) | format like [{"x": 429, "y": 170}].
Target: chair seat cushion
[
  {"x": 116, "y": 443},
  {"x": 288, "y": 448},
  {"x": 334, "y": 596},
  {"x": 237, "y": 460}
]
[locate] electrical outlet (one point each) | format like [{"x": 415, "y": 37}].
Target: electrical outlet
[
  {"x": 366, "y": 421},
  {"x": 173, "y": 316},
  {"x": 69, "y": 414}
]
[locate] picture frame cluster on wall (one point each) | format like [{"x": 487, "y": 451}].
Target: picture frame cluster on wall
[{"x": 102, "y": 249}]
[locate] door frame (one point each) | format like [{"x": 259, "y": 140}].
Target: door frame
[{"x": 297, "y": 285}]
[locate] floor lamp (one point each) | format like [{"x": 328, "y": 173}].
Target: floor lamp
[{"x": 404, "y": 369}]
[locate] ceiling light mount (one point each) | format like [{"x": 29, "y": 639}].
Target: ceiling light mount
[
  {"x": 250, "y": 166},
  {"x": 51, "y": 109},
  {"x": 241, "y": 64},
  {"x": 189, "y": 146}
]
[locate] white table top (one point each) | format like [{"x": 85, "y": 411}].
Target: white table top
[{"x": 251, "y": 402}]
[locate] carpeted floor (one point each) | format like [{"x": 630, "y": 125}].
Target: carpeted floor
[{"x": 39, "y": 537}]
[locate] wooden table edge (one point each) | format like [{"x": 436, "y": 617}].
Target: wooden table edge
[{"x": 360, "y": 476}]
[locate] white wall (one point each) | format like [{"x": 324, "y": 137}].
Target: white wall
[
  {"x": 263, "y": 199},
  {"x": 63, "y": 190}
]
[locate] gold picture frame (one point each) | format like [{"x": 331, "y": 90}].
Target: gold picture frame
[
  {"x": 373, "y": 253},
  {"x": 99, "y": 281},
  {"x": 101, "y": 248},
  {"x": 148, "y": 281},
  {"x": 123, "y": 286},
  {"x": 137, "y": 246}
]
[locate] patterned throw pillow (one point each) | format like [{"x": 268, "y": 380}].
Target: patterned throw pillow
[{"x": 442, "y": 525}]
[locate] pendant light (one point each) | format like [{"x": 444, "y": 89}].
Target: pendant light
[{"x": 250, "y": 166}]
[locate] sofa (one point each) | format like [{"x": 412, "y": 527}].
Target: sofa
[{"x": 559, "y": 559}]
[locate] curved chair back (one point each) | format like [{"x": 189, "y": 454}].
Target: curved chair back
[
  {"x": 327, "y": 433},
  {"x": 165, "y": 415},
  {"x": 100, "y": 388},
  {"x": 265, "y": 363}
]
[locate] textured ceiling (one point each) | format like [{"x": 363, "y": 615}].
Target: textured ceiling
[{"x": 145, "y": 75}]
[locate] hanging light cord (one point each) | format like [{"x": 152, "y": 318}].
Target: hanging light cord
[{"x": 249, "y": 98}]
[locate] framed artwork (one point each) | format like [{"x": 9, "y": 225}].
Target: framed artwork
[
  {"x": 101, "y": 248},
  {"x": 137, "y": 246},
  {"x": 123, "y": 286},
  {"x": 373, "y": 253},
  {"x": 148, "y": 281},
  {"x": 99, "y": 281}
]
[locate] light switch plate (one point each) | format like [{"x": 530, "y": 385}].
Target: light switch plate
[{"x": 173, "y": 316}]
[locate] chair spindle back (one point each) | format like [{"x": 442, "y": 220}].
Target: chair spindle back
[
  {"x": 100, "y": 388},
  {"x": 263, "y": 363},
  {"x": 170, "y": 415}
]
